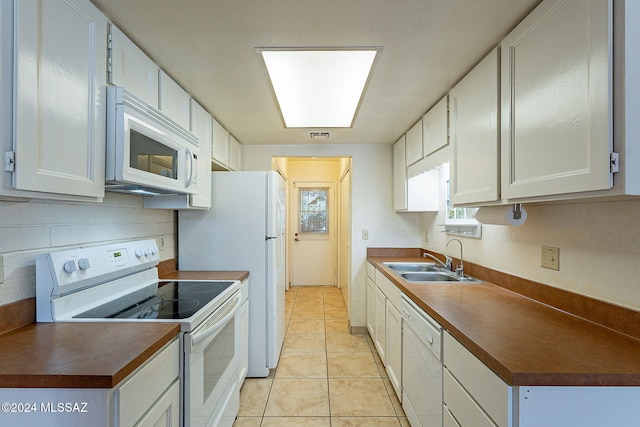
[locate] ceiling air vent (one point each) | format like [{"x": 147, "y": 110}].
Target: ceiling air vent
[{"x": 319, "y": 135}]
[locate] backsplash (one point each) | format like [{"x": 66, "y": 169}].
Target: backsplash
[{"x": 28, "y": 229}]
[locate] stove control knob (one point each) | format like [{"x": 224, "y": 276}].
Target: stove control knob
[
  {"x": 154, "y": 249},
  {"x": 84, "y": 263},
  {"x": 139, "y": 252},
  {"x": 70, "y": 266},
  {"x": 147, "y": 250}
]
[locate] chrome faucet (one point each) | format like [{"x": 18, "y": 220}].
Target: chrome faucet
[
  {"x": 446, "y": 264},
  {"x": 460, "y": 269}
]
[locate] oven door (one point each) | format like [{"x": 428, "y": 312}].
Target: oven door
[{"x": 211, "y": 389}]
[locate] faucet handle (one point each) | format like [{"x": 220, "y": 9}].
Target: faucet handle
[{"x": 448, "y": 262}]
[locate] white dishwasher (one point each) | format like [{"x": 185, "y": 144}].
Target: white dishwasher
[{"x": 421, "y": 366}]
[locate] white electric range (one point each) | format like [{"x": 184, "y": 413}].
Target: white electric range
[{"x": 119, "y": 282}]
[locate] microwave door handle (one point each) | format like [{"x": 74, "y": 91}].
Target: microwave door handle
[
  {"x": 214, "y": 325},
  {"x": 191, "y": 167}
]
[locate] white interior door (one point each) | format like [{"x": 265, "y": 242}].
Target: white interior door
[{"x": 313, "y": 249}]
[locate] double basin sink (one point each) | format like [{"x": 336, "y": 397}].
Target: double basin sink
[{"x": 426, "y": 272}]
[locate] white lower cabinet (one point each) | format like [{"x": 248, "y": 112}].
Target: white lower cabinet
[
  {"x": 393, "y": 341},
  {"x": 148, "y": 397},
  {"x": 379, "y": 323},
  {"x": 473, "y": 394},
  {"x": 371, "y": 291},
  {"x": 166, "y": 411},
  {"x": 385, "y": 324},
  {"x": 243, "y": 336}
]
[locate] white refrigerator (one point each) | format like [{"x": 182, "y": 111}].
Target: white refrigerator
[{"x": 244, "y": 230}]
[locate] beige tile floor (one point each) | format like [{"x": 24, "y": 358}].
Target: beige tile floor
[{"x": 325, "y": 377}]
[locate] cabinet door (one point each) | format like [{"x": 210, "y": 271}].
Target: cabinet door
[
  {"x": 220, "y": 144},
  {"x": 556, "y": 81},
  {"x": 414, "y": 144},
  {"x": 399, "y": 176},
  {"x": 393, "y": 341},
  {"x": 371, "y": 295},
  {"x": 474, "y": 134},
  {"x": 201, "y": 125},
  {"x": 60, "y": 103},
  {"x": 435, "y": 127},
  {"x": 379, "y": 326},
  {"x": 244, "y": 340},
  {"x": 235, "y": 154},
  {"x": 166, "y": 411},
  {"x": 132, "y": 68},
  {"x": 174, "y": 101}
]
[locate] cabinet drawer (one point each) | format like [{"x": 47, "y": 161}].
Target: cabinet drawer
[
  {"x": 371, "y": 271},
  {"x": 464, "y": 409},
  {"x": 491, "y": 393},
  {"x": 145, "y": 386},
  {"x": 391, "y": 291}
]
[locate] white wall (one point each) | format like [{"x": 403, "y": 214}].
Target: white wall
[
  {"x": 599, "y": 248},
  {"x": 371, "y": 204},
  {"x": 28, "y": 229}
]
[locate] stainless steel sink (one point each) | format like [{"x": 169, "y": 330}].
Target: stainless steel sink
[
  {"x": 426, "y": 272},
  {"x": 429, "y": 276},
  {"x": 412, "y": 266},
  {"x": 435, "y": 276}
]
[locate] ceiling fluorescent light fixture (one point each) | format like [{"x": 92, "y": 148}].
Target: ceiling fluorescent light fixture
[{"x": 319, "y": 87}]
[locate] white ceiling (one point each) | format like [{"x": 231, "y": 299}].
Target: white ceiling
[{"x": 208, "y": 46}]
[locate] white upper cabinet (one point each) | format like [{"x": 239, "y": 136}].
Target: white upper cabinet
[
  {"x": 414, "y": 143},
  {"x": 130, "y": 67},
  {"x": 399, "y": 175},
  {"x": 174, "y": 101},
  {"x": 235, "y": 154},
  {"x": 435, "y": 127},
  {"x": 474, "y": 134},
  {"x": 556, "y": 108},
  {"x": 220, "y": 144},
  {"x": 60, "y": 97},
  {"x": 201, "y": 126}
]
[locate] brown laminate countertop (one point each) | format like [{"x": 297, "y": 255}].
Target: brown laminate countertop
[
  {"x": 525, "y": 342},
  {"x": 205, "y": 275},
  {"x": 78, "y": 354}
]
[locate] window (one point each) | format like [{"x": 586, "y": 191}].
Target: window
[
  {"x": 459, "y": 215},
  {"x": 314, "y": 210},
  {"x": 461, "y": 221}
]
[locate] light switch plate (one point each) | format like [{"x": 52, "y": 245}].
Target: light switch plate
[
  {"x": 550, "y": 258},
  {"x": 365, "y": 234}
]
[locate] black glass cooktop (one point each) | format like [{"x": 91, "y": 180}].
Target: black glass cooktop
[{"x": 173, "y": 300}]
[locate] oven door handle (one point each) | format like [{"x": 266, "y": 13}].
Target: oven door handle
[{"x": 218, "y": 320}]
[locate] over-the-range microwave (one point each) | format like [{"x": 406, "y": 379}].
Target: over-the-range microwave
[{"x": 147, "y": 153}]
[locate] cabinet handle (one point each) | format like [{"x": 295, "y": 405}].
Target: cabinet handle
[{"x": 429, "y": 337}]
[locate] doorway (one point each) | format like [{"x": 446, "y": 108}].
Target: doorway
[
  {"x": 313, "y": 250},
  {"x": 319, "y": 211}
]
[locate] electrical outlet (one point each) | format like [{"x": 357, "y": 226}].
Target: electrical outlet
[
  {"x": 161, "y": 242},
  {"x": 550, "y": 258},
  {"x": 426, "y": 235}
]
